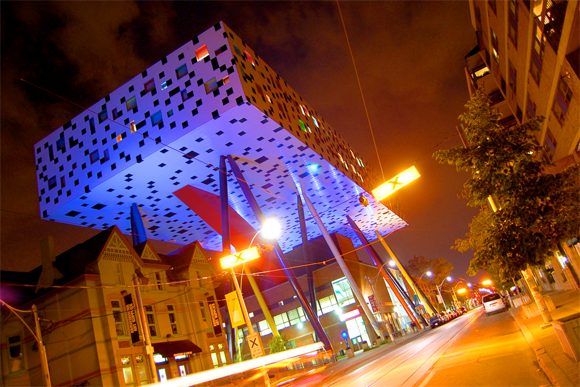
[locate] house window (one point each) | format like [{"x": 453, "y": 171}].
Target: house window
[
  {"x": 103, "y": 116},
  {"x": 513, "y": 76},
  {"x": 149, "y": 86},
  {"x": 131, "y": 103},
  {"x": 562, "y": 100},
  {"x": 156, "y": 118},
  {"x": 16, "y": 359},
  {"x": 158, "y": 281},
  {"x": 172, "y": 319},
  {"x": 210, "y": 86},
  {"x": 181, "y": 71},
  {"x": 201, "y": 52},
  {"x": 118, "y": 318},
  {"x": 94, "y": 157},
  {"x": 495, "y": 46},
  {"x": 199, "y": 278},
  {"x": 151, "y": 322}
]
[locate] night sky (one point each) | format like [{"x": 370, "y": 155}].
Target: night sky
[{"x": 409, "y": 57}]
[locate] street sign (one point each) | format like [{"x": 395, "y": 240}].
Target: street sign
[
  {"x": 131, "y": 319},
  {"x": 255, "y": 343},
  {"x": 374, "y": 304},
  {"x": 234, "y": 309}
]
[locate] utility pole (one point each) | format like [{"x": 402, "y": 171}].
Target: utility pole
[
  {"x": 145, "y": 329},
  {"x": 41, "y": 350}
]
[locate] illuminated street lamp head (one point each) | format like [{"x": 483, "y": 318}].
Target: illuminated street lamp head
[
  {"x": 462, "y": 290},
  {"x": 429, "y": 274},
  {"x": 469, "y": 285},
  {"x": 392, "y": 263},
  {"x": 449, "y": 279},
  {"x": 239, "y": 258},
  {"x": 487, "y": 282},
  {"x": 396, "y": 183},
  {"x": 270, "y": 228}
]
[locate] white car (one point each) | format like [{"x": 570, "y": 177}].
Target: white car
[{"x": 493, "y": 303}]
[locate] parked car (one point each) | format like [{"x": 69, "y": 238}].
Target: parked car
[
  {"x": 493, "y": 303},
  {"x": 446, "y": 317},
  {"x": 463, "y": 309},
  {"x": 436, "y": 321}
]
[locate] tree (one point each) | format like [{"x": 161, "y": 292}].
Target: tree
[
  {"x": 419, "y": 265},
  {"x": 278, "y": 344},
  {"x": 441, "y": 269},
  {"x": 537, "y": 211}
]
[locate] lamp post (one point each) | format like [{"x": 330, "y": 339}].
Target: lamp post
[
  {"x": 455, "y": 294},
  {"x": 449, "y": 279}
]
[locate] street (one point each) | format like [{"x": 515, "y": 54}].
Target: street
[{"x": 472, "y": 350}]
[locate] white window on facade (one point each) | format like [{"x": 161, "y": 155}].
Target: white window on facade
[
  {"x": 327, "y": 305},
  {"x": 296, "y": 316},
  {"x": 173, "y": 319},
  {"x": 264, "y": 328},
  {"x": 281, "y": 321},
  {"x": 119, "y": 318},
  {"x": 151, "y": 322}
]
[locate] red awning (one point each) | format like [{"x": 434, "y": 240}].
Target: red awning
[{"x": 170, "y": 348}]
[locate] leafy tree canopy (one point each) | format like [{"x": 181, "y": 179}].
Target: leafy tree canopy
[
  {"x": 537, "y": 211},
  {"x": 440, "y": 267}
]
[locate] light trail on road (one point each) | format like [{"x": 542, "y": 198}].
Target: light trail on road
[{"x": 405, "y": 363}]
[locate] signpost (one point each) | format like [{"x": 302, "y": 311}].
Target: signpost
[
  {"x": 131, "y": 318},
  {"x": 255, "y": 344}
]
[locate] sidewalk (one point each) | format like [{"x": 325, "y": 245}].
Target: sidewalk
[{"x": 561, "y": 369}]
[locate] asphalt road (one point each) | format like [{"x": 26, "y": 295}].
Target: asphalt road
[{"x": 472, "y": 350}]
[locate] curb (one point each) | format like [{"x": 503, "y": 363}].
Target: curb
[{"x": 556, "y": 375}]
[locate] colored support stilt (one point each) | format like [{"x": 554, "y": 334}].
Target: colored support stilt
[{"x": 137, "y": 227}]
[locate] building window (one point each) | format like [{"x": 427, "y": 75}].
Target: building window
[
  {"x": 550, "y": 145},
  {"x": 531, "y": 110},
  {"x": 296, "y": 316},
  {"x": 249, "y": 57},
  {"x": 16, "y": 358},
  {"x": 116, "y": 113},
  {"x": 537, "y": 55},
  {"x": 94, "y": 157},
  {"x": 52, "y": 182},
  {"x": 133, "y": 127},
  {"x": 199, "y": 278},
  {"x": 281, "y": 321},
  {"x": 131, "y": 103},
  {"x": 210, "y": 85},
  {"x": 159, "y": 281},
  {"x": 181, "y": 71},
  {"x": 494, "y": 46},
  {"x": 172, "y": 319},
  {"x": 150, "y": 316},
  {"x": 156, "y": 118},
  {"x": 264, "y": 328},
  {"x": 562, "y": 100},
  {"x": 60, "y": 145},
  {"x": 118, "y": 318},
  {"x": 201, "y": 52},
  {"x": 343, "y": 292},
  {"x": 513, "y": 22},
  {"x": 103, "y": 116},
  {"x": 149, "y": 86},
  {"x": 106, "y": 155},
  {"x": 327, "y": 305},
  {"x": 184, "y": 96},
  {"x": 513, "y": 77}
]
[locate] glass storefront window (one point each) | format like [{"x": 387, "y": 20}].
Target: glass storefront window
[{"x": 343, "y": 292}]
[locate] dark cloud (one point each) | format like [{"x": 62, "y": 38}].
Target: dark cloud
[{"x": 409, "y": 57}]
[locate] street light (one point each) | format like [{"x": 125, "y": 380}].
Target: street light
[
  {"x": 428, "y": 273},
  {"x": 449, "y": 279},
  {"x": 396, "y": 183}
]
